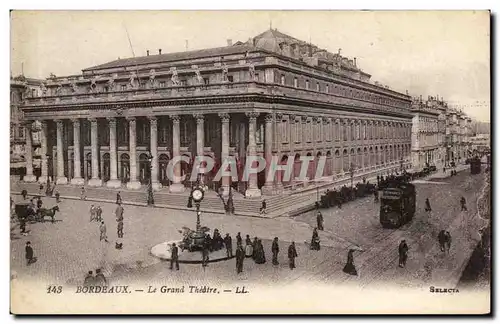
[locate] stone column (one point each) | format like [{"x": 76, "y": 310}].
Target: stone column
[
  {"x": 113, "y": 182},
  {"x": 43, "y": 152},
  {"x": 133, "y": 183},
  {"x": 29, "y": 177},
  {"x": 200, "y": 139},
  {"x": 95, "y": 181},
  {"x": 153, "y": 126},
  {"x": 176, "y": 185},
  {"x": 268, "y": 187},
  {"x": 253, "y": 189},
  {"x": 77, "y": 179},
  {"x": 226, "y": 181},
  {"x": 61, "y": 179}
]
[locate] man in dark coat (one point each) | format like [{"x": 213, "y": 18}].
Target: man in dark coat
[
  {"x": 463, "y": 204},
  {"x": 319, "y": 220},
  {"x": 349, "y": 267},
  {"x": 427, "y": 205},
  {"x": 442, "y": 240},
  {"x": 240, "y": 257},
  {"x": 239, "y": 240},
  {"x": 174, "y": 257},
  {"x": 375, "y": 194},
  {"x": 119, "y": 229},
  {"x": 263, "y": 207},
  {"x": 119, "y": 212},
  {"x": 58, "y": 197},
  {"x": 275, "y": 249},
  {"x": 118, "y": 198},
  {"x": 292, "y": 254},
  {"x": 403, "y": 253},
  {"x": 205, "y": 251},
  {"x": 228, "y": 243},
  {"x": 29, "y": 253}
]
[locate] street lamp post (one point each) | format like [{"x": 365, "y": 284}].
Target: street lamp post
[
  {"x": 151, "y": 200},
  {"x": 351, "y": 172}
]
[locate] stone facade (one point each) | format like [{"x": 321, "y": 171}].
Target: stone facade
[{"x": 271, "y": 96}]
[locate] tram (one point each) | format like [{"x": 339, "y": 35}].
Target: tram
[{"x": 397, "y": 205}]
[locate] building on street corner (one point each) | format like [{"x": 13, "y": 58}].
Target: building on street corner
[{"x": 271, "y": 96}]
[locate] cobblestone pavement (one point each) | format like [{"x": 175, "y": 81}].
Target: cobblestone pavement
[{"x": 66, "y": 250}]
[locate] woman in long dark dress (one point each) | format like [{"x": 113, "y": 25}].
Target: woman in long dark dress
[
  {"x": 260, "y": 256},
  {"x": 349, "y": 268},
  {"x": 315, "y": 240}
]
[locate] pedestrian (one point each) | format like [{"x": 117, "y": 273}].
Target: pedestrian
[
  {"x": 319, "y": 219},
  {"x": 230, "y": 203},
  {"x": 442, "y": 240},
  {"x": 427, "y": 205},
  {"x": 292, "y": 254},
  {"x": 260, "y": 255},
  {"x": 349, "y": 267},
  {"x": 22, "y": 225},
  {"x": 228, "y": 242},
  {"x": 89, "y": 279},
  {"x": 58, "y": 197},
  {"x": 118, "y": 198},
  {"x": 254, "y": 247},
  {"x": 92, "y": 212},
  {"x": 248, "y": 247},
  {"x": 463, "y": 204},
  {"x": 275, "y": 249},
  {"x": 375, "y": 195},
  {"x": 98, "y": 213},
  {"x": 263, "y": 207},
  {"x": 102, "y": 229},
  {"x": 41, "y": 189},
  {"x": 240, "y": 257},
  {"x": 83, "y": 195},
  {"x": 315, "y": 240},
  {"x": 24, "y": 193},
  {"x": 174, "y": 257},
  {"x": 30, "y": 258},
  {"x": 119, "y": 212},
  {"x": 403, "y": 253},
  {"x": 238, "y": 239},
  {"x": 100, "y": 279},
  {"x": 448, "y": 241},
  {"x": 119, "y": 229},
  {"x": 205, "y": 253},
  {"x": 39, "y": 202}
]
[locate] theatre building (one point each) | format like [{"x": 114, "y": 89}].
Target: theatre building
[{"x": 272, "y": 95}]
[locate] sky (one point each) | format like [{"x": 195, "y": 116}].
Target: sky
[{"x": 445, "y": 53}]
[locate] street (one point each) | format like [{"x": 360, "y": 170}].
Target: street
[{"x": 68, "y": 249}]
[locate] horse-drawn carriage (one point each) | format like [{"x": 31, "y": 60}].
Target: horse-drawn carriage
[{"x": 26, "y": 212}]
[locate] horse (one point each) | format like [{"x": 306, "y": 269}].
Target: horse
[{"x": 48, "y": 212}]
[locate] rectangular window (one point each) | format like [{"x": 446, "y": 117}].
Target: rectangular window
[
  {"x": 20, "y": 132},
  {"x": 206, "y": 81},
  {"x": 317, "y": 86},
  {"x": 282, "y": 79},
  {"x": 307, "y": 84},
  {"x": 295, "y": 83},
  {"x": 162, "y": 84},
  {"x": 124, "y": 87},
  {"x": 230, "y": 78},
  {"x": 33, "y": 93},
  {"x": 327, "y": 88},
  {"x": 257, "y": 75},
  {"x": 106, "y": 89}
]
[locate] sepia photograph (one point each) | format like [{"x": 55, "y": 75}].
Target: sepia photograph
[{"x": 250, "y": 162}]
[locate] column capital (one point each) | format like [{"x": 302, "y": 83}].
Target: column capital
[
  {"x": 92, "y": 119},
  {"x": 73, "y": 120},
  {"x": 175, "y": 118},
  {"x": 303, "y": 119},
  {"x": 199, "y": 117},
  {"x": 153, "y": 121},
  {"x": 327, "y": 120},
  {"x": 152, "y": 118},
  {"x": 130, "y": 118},
  {"x": 292, "y": 118},
  {"x": 59, "y": 122},
  {"x": 279, "y": 116},
  {"x": 268, "y": 118},
  {"x": 252, "y": 115},
  {"x": 111, "y": 120},
  {"x": 224, "y": 117}
]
